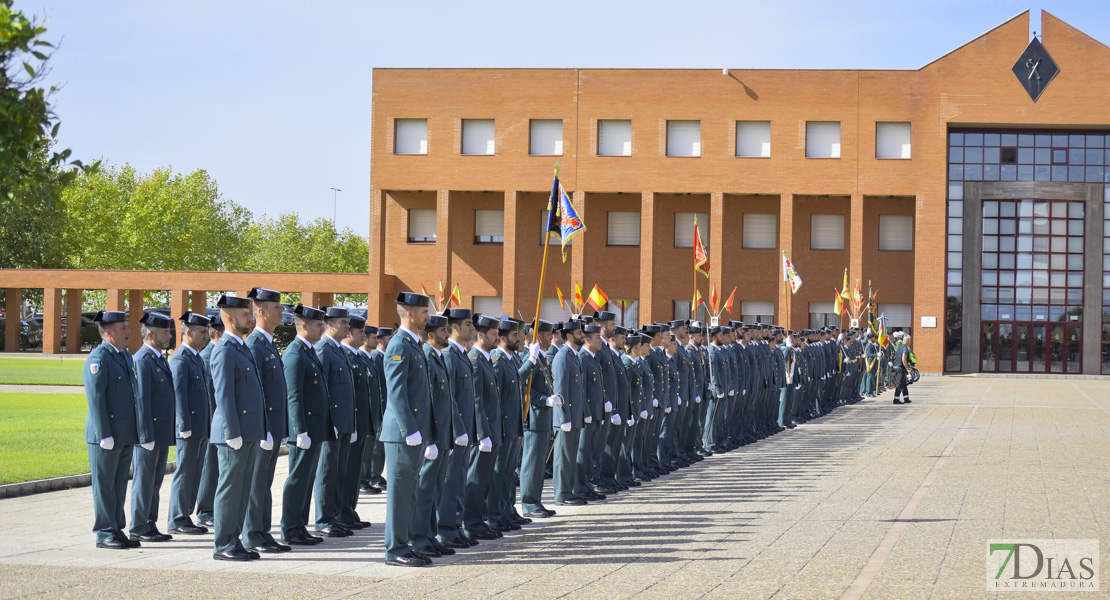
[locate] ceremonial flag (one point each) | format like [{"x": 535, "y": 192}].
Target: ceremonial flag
[
  {"x": 882, "y": 331},
  {"x": 578, "y": 303},
  {"x": 597, "y": 298},
  {"x": 838, "y": 304},
  {"x": 701, "y": 258},
  {"x": 424, "y": 291},
  {"x": 456, "y": 296},
  {"x": 844, "y": 293},
  {"x": 698, "y": 300},
  {"x": 561, "y": 215},
  {"x": 857, "y": 298},
  {"x": 441, "y": 292},
  {"x": 713, "y": 297},
  {"x": 728, "y": 303},
  {"x": 562, "y": 300},
  {"x": 789, "y": 274}
]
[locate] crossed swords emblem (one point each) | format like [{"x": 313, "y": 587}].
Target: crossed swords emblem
[{"x": 1033, "y": 64}]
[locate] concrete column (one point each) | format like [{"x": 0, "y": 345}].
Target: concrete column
[
  {"x": 52, "y": 321},
  {"x": 972, "y": 266},
  {"x": 716, "y": 245},
  {"x": 1092, "y": 281},
  {"x": 73, "y": 320},
  {"x": 786, "y": 243},
  {"x": 13, "y": 301},
  {"x": 199, "y": 303},
  {"x": 511, "y": 301},
  {"x": 134, "y": 313},
  {"x": 647, "y": 255},
  {"x": 116, "y": 300},
  {"x": 443, "y": 237},
  {"x": 179, "y": 303},
  {"x": 375, "y": 298}
]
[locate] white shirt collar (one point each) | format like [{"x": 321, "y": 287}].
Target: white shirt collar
[
  {"x": 234, "y": 337},
  {"x": 332, "y": 340},
  {"x": 191, "y": 349},
  {"x": 368, "y": 354},
  {"x": 304, "y": 341},
  {"x": 457, "y": 345},
  {"x": 592, "y": 355},
  {"x": 269, "y": 337},
  {"x": 415, "y": 337},
  {"x": 484, "y": 353},
  {"x": 153, "y": 350}
]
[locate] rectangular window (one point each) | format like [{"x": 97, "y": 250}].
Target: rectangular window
[
  {"x": 422, "y": 225},
  {"x": 683, "y": 138},
  {"x": 756, "y": 311},
  {"x": 682, "y": 311},
  {"x": 760, "y": 230},
  {"x": 627, "y": 311},
  {"x": 410, "y": 136},
  {"x": 892, "y": 140},
  {"x": 554, "y": 238},
  {"x": 821, "y": 315},
  {"x": 552, "y": 312},
  {"x": 753, "y": 139},
  {"x": 826, "y": 232},
  {"x": 546, "y": 137},
  {"x": 477, "y": 136},
  {"x": 624, "y": 228},
  {"x": 898, "y": 315},
  {"x": 489, "y": 226},
  {"x": 614, "y": 138},
  {"x": 896, "y": 232},
  {"x": 684, "y": 229},
  {"x": 822, "y": 139},
  {"x": 488, "y": 305}
]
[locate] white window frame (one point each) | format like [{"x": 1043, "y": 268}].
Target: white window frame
[
  {"x": 893, "y": 140},
  {"x": 540, "y": 133},
  {"x": 752, "y": 133},
  {"x": 485, "y": 232},
  {"x": 479, "y": 137},
  {"x": 684, "y": 138},
  {"x": 606, "y": 128},
  {"x": 419, "y": 216},
  {"x": 620, "y": 233},
  {"x": 488, "y": 301},
  {"x": 405, "y": 130},
  {"x": 817, "y": 133},
  {"x": 685, "y": 238}
]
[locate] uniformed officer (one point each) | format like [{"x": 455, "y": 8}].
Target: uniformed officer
[
  {"x": 450, "y": 524},
  {"x": 608, "y": 431},
  {"x": 209, "y": 475},
  {"x": 364, "y": 380},
  {"x": 336, "y": 448},
  {"x": 568, "y": 418},
  {"x": 372, "y": 480},
  {"x": 487, "y": 400},
  {"x": 239, "y": 428},
  {"x": 593, "y": 388},
  {"x": 406, "y": 427},
  {"x": 156, "y": 431},
  {"x": 309, "y": 423},
  {"x": 377, "y": 405},
  {"x": 267, "y": 308},
  {"x": 641, "y": 466},
  {"x": 192, "y": 392},
  {"x": 621, "y": 418},
  {"x": 111, "y": 428},
  {"x": 511, "y": 375},
  {"x": 538, "y": 435},
  {"x": 626, "y": 463},
  {"x": 719, "y": 376}
]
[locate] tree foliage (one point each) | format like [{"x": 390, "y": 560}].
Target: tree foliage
[{"x": 284, "y": 244}]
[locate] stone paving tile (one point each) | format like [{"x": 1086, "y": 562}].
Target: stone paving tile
[{"x": 797, "y": 516}]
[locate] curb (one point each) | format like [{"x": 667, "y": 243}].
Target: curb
[{"x": 39, "y": 486}]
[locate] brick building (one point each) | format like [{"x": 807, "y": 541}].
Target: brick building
[{"x": 972, "y": 205}]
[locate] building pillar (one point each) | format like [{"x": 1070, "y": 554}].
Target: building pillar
[
  {"x": 443, "y": 237},
  {"x": 13, "y": 303},
  {"x": 972, "y": 266},
  {"x": 375, "y": 297},
  {"x": 199, "y": 302},
  {"x": 510, "y": 254},
  {"x": 317, "y": 299},
  {"x": 855, "y": 241},
  {"x": 786, "y": 308},
  {"x": 716, "y": 246},
  {"x": 73, "y": 320},
  {"x": 51, "y": 321},
  {"x": 179, "y": 303},
  {"x": 647, "y": 256},
  {"x": 1092, "y": 281},
  {"x": 134, "y": 313},
  {"x": 115, "y": 300}
]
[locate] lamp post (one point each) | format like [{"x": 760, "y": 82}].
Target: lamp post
[{"x": 335, "y": 204}]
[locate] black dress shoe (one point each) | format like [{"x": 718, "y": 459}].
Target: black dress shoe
[
  {"x": 254, "y": 555},
  {"x": 304, "y": 540},
  {"x": 458, "y": 543},
  {"x": 484, "y": 535},
  {"x": 572, "y": 502},
  {"x": 150, "y": 537},
  {"x": 897, "y": 401},
  {"x": 233, "y": 555},
  {"x": 604, "y": 489},
  {"x": 520, "y": 520},
  {"x": 427, "y": 552},
  {"x": 189, "y": 530},
  {"x": 444, "y": 550},
  {"x": 369, "y": 490},
  {"x": 351, "y": 526},
  {"x": 513, "y": 525},
  {"x": 473, "y": 542},
  {"x": 537, "y": 514},
  {"x": 270, "y": 548},
  {"x": 283, "y": 547},
  {"x": 334, "y": 531},
  {"x": 207, "y": 523},
  {"x": 907, "y": 401},
  {"x": 408, "y": 560},
  {"x": 130, "y": 543},
  {"x": 112, "y": 544},
  {"x": 495, "y": 526}
]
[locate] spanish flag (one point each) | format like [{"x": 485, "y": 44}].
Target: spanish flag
[
  {"x": 578, "y": 303},
  {"x": 456, "y": 296},
  {"x": 562, "y": 300},
  {"x": 838, "y": 304},
  {"x": 597, "y": 298},
  {"x": 728, "y": 304}
]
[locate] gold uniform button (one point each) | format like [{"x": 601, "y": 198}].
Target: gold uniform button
[
  {"x": 192, "y": 412},
  {"x": 310, "y": 413},
  {"x": 111, "y": 416},
  {"x": 244, "y": 412},
  {"x": 155, "y": 418}
]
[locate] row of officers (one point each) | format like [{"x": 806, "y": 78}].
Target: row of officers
[{"x": 463, "y": 415}]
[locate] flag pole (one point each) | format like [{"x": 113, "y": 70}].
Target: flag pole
[{"x": 539, "y": 303}]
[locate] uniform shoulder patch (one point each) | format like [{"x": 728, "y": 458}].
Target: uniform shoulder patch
[
  {"x": 396, "y": 358},
  {"x": 94, "y": 368}
]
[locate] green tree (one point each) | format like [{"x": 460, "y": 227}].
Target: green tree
[
  {"x": 33, "y": 231},
  {"x": 29, "y": 168}
]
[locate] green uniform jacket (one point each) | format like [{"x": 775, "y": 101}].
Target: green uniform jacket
[
  {"x": 408, "y": 386},
  {"x": 111, "y": 388}
]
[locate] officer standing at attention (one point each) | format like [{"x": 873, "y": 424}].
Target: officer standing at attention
[
  {"x": 405, "y": 427},
  {"x": 512, "y": 375},
  {"x": 608, "y": 434},
  {"x": 537, "y": 437},
  {"x": 341, "y": 403},
  {"x": 267, "y": 308},
  {"x": 450, "y": 506},
  {"x": 377, "y": 404},
  {"x": 192, "y": 393},
  {"x": 238, "y": 427},
  {"x": 209, "y": 475},
  {"x": 593, "y": 389},
  {"x": 487, "y": 401},
  {"x": 111, "y": 428},
  {"x": 361, "y": 373},
  {"x": 156, "y": 431},
  {"x": 568, "y": 418},
  {"x": 309, "y": 423},
  {"x": 372, "y": 477}
]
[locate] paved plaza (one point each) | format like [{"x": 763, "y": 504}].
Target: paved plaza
[{"x": 872, "y": 501}]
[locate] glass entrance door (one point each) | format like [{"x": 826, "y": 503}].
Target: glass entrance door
[{"x": 1031, "y": 348}]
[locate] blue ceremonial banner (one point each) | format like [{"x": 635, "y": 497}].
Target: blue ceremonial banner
[{"x": 561, "y": 215}]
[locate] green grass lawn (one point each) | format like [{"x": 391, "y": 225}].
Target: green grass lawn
[
  {"x": 41, "y": 371},
  {"x": 43, "y": 435}
]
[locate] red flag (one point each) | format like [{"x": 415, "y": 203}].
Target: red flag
[
  {"x": 701, "y": 258},
  {"x": 728, "y": 304},
  {"x": 578, "y": 303},
  {"x": 456, "y": 296},
  {"x": 838, "y": 304},
  {"x": 441, "y": 292},
  {"x": 597, "y": 298},
  {"x": 713, "y": 297},
  {"x": 562, "y": 300}
]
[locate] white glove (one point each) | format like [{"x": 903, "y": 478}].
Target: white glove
[
  {"x": 643, "y": 414},
  {"x": 185, "y": 434},
  {"x": 462, "y": 440},
  {"x": 354, "y": 437},
  {"x": 697, "y": 399},
  {"x": 431, "y": 452},
  {"x": 631, "y": 421},
  {"x": 450, "y": 452},
  {"x": 414, "y": 439},
  {"x": 336, "y": 432},
  {"x": 655, "y": 402},
  {"x": 235, "y": 443},
  {"x": 108, "y": 443},
  {"x": 711, "y": 388},
  {"x": 555, "y": 401},
  {"x": 588, "y": 420},
  {"x": 565, "y": 427},
  {"x": 608, "y": 406},
  {"x": 615, "y": 419},
  {"x": 268, "y": 443},
  {"x": 303, "y": 441},
  {"x": 485, "y": 445},
  {"x": 149, "y": 446},
  {"x": 667, "y": 410},
  {"x": 890, "y": 364},
  {"x": 534, "y": 351},
  {"x": 745, "y": 392},
  {"x": 680, "y": 400},
  {"x": 731, "y": 393},
  {"x": 283, "y": 440}
]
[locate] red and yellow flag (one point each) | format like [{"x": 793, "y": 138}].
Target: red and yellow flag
[
  {"x": 597, "y": 298},
  {"x": 456, "y": 296},
  {"x": 713, "y": 297},
  {"x": 844, "y": 293},
  {"x": 441, "y": 292},
  {"x": 578, "y": 302},
  {"x": 701, "y": 257},
  {"x": 562, "y": 300},
  {"x": 857, "y": 297},
  {"x": 728, "y": 303},
  {"x": 698, "y": 300},
  {"x": 838, "y": 304}
]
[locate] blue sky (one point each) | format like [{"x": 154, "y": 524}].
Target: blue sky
[{"x": 273, "y": 98}]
